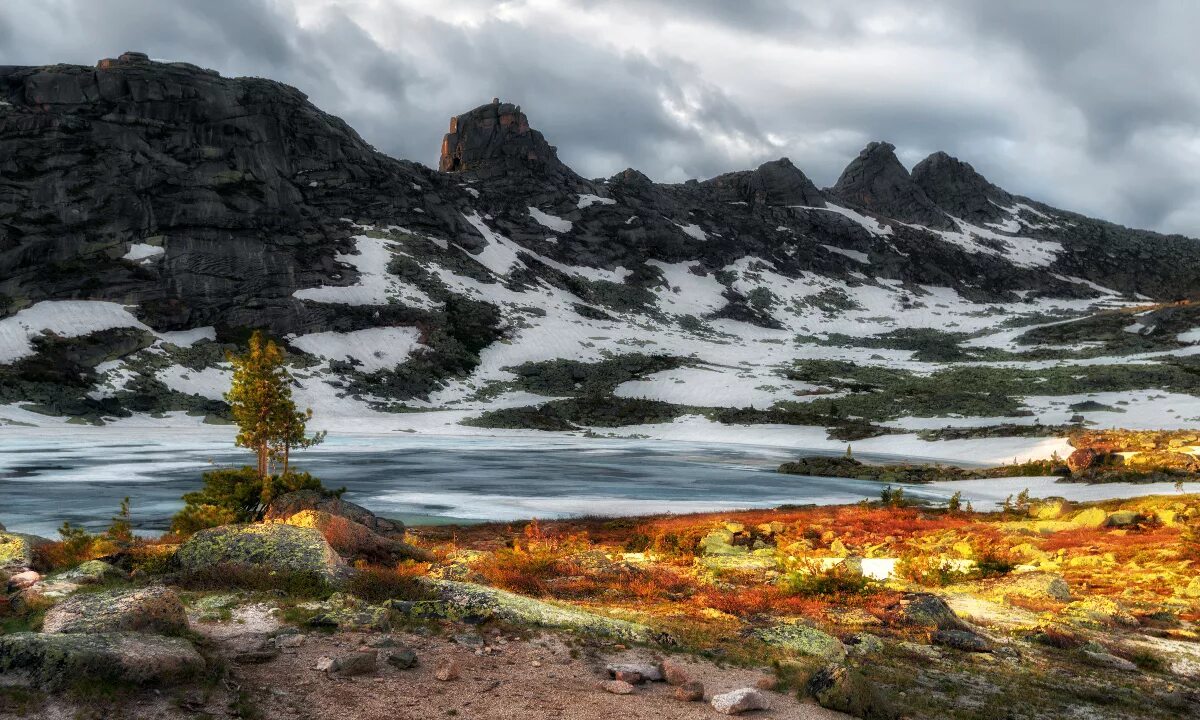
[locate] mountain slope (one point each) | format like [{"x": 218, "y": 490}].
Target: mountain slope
[{"x": 151, "y": 214}]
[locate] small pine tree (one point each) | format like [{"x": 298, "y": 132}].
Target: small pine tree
[
  {"x": 120, "y": 530},
  {"x": 1023, "y": 500},
  {"x": 954, "y": 504},
  {"x": 970, "y": 507},
  {"x": 270, "y": 425},
  {"x": 260, "y": 398},
  {"x": 1008, "y": 504}
]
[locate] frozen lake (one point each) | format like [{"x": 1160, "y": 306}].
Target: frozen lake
[{"x": 81, "y": 474}]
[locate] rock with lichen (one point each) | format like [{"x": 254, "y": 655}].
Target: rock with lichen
[
  {"x": 804, "y": 640},
  {"x": 269, "y": 546},
  {"x": 478, "y": 602},
  {"x": 56, "y": 660},
  {"x": 151, "y": 609}
]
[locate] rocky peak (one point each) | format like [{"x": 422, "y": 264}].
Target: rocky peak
[
  {"x": 957, "y": 188},
  {"x": 777, "y": 182},
  {"x": 877, "y": 181},
  {"x": 129, "y": 57},
  {"x": 495, "y": 140}
]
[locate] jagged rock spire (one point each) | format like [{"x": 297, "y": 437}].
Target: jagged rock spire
[
  {"x": 958, "y": 189},
  {"x": 494, "y": 140},
  {"x": 877, "y": 181}
]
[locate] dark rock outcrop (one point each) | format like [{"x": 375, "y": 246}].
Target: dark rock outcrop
[
  {"x": 876, "y": 180},
  {"x": 777, "y": 182},
  {"x": 957, "y": 188},
  {"x": 495, "y": 140}
]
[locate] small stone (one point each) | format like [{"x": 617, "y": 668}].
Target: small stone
[
  {"x": 382, "y": 641},
  {"x": 740, "y": 701},
  {"x": 647, "y": 671},
  {"x": 617, "y": 687},
  {"x": 691, "y": 691},
  {"x": 675, "y": 672},
  {"x": 447, "y": 670},
  {"x": 324, "y": 664},
  {"x": 961, "y": 640},
  {"x": 291, "y": 641},
  {"x": 536, "y": 663},
  {"x": 629, "y": 676},
  {"x": 23, "y": 580},
  {"x": 402, "y": 658},
  {"x": 359, "y": 662},
  {"x": 1107, "y": 660}
]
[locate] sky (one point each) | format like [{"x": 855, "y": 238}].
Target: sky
[{"x": 1089, "y": 105}]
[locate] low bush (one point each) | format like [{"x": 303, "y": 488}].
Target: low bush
[
  {"x": 376, "y": 584},
  {"x": 837, "y": 581},
  {"x": 238, "y": 496},
  {"x": 295, "y": 584}
]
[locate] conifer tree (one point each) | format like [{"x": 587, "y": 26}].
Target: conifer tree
[{"x": 260, "y": 398}]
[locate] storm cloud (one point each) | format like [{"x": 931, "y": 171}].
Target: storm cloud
[{"x": 1090, "y": 105}]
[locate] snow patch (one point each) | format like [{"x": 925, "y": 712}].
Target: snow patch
[
  {"x": 587, "y": 200},
  {"x": 852, "y": 254},
  {"x": 869, "y": 224},
  {"x": 553, "y": 222},
  {"x": 375, "y": 285},
  {"x": 380, "y": 348},
  {"x": 141, "y": 252},
  {"x": 693, "y": 231},
  {"x": 67, "y": 318}
]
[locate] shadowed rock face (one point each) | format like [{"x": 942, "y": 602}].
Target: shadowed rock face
[
  {"x": 240, "y": 180},
  {"x": 878, "y": 182},
  {"x": 956, "y": 187},
  {"x": 495, "y": 140},
  {"x": 777, "y": 182}
]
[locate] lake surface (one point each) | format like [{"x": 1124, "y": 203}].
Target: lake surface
[{"x": 80, "y": 475}]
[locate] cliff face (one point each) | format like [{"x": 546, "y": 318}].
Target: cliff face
[
  {"x": 241, "y": 182},
  {"x": 215, "y": 205}
]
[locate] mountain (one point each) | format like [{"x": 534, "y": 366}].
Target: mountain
[{"x": 153, "y": 213}]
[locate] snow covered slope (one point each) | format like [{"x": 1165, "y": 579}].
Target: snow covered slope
[{"x": 928, "y": 311}]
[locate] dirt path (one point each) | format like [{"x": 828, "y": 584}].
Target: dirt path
[{"x": 527, "y": 680}]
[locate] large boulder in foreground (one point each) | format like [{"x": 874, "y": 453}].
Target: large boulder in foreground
[
  {"x": 54, "y": 661},
  {"x": 152, "y": 609},
  {"x": 355, "y": 540},
  {"x": 480, "y": 602},
  {"x": 271, "y": 546},
  {"x": 841, "y": 688},
  {"x": 285, "y": 506}
]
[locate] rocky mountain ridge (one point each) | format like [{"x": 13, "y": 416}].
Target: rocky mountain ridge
[{"x": 153, "y": 210}]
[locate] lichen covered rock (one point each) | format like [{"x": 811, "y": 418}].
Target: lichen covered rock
[
  {"x": 54, "y": 661},
  {"x": 15, "y": 550},
  {"x": 1036, "y": 585},
  {"x": 153, "y": 609},
  {"x": 346, "y": 612},
  {"x": 276, "y": 547},
  {"x": 355, "y": 540},
  {"x": 285, "y": 506},
  {"x": 844, "y": 689},
  {"x": 927, "y": 610},
  {"x": 481, "y": 602},
  {"x": 804, "y": 640},
  {"x": 91, "y": 572}
]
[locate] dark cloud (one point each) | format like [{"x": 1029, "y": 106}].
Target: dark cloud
[{"x": 1092, "y": 105}]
